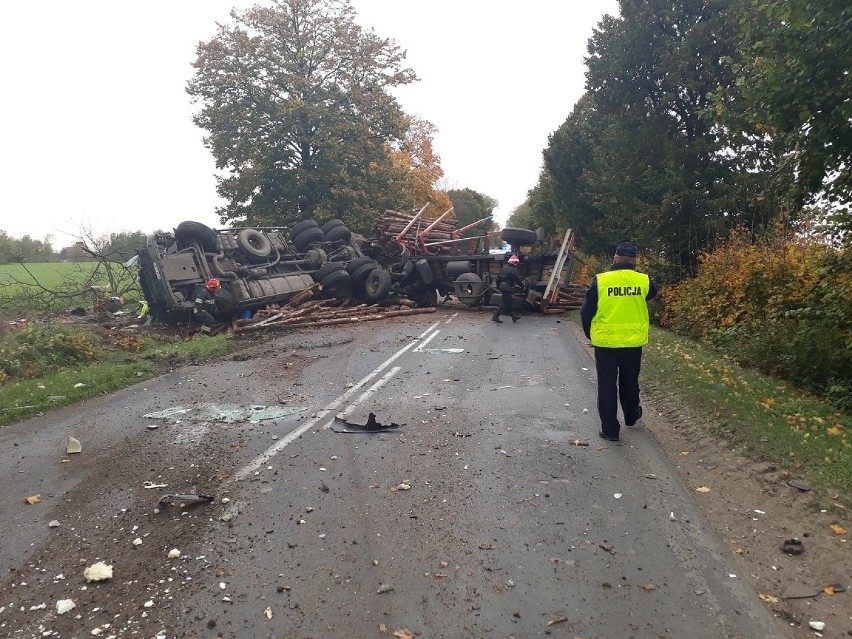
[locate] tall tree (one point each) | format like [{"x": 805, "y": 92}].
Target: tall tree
[
  {"x": 793, "y": 62},
  {"x": 662, "y": 171},
  {"x": 420, "y": 169},
  {"x": 295, "y": 99},
  {"x": 471, "y": 206}
]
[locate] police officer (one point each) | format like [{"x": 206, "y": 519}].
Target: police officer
[
  {"x": 615, "y": 319},
  {"x": 507, "y": 279},
  {"x": 204, "y": 300}
]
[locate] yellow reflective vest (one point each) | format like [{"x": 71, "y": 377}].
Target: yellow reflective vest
[{"x": 622, "y": 317}]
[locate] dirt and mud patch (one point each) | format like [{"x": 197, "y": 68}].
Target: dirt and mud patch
[{"x": 755, "y": 511}]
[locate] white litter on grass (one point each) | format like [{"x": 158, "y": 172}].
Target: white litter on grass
[{"x": 79, "y": 385}]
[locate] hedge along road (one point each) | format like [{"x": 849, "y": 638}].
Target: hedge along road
[{"x": 479, "y": 516}]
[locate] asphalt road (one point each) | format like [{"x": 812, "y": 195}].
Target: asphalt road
[{"x": 493, "y": 510}]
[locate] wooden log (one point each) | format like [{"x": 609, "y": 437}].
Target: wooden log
[{"x": 302, "y": 296}]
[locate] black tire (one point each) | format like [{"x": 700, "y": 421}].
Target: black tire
[
  {"x": 256, "y": 246},
  {"x": 518, "y": 237},
  {"x": 334, "y": 281},
  {"x": 378, "y": 285},
  {"x": 188, "y": 232},
  {"x": 358, "y": 262},
  {"x": 424, "y": 297},
  {"x": 326, "y": 269},
  {"x": 307, "y": 237},
  {"x": 425, "y": 271},
  {"x": 338, "y": 234},
  {"x": 224, "y": 301},
  {"x": 360, "y": 274},
  {"x": 298, "y": 227},
  {"x": 327, "y": 226}
]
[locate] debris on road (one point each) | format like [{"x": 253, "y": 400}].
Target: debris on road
[
  {"x": 64, "y": 605},
  {"x": 53, "y": 523},
  {"x": 224, "y": 413},
  {"x": 579, "y": 442},
  {"x": 32, "y": 500},
  {"x": 98, "y": 572},
  {"x": 174, "y": 553},
  {"x": 185, "y": 500},
  {"x": 793, "y": 547},
  {"x": 300, "y": 312},
  {"x": 371, "y": 426},
  {"x": 383, "y": 588},
  {"x": 268, "y": 613},
  {"x": 557, "y": 620},
  {"x": 817, "y": 625},
  {"x": 73, "y": 446}
]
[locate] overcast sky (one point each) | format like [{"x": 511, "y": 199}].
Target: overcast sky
[{"x": 97, "y": 129}]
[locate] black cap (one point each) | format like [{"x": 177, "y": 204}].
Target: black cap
[{"x": 626, "y": 249}]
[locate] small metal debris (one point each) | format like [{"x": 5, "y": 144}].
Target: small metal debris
[
  {"x": 799, "y": 485},
  {"x": 793, "y": 547},
  {"x": 372, "y": 426}
]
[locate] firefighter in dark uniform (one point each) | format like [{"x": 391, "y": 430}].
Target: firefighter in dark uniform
[
  {"x": 204, "y": 300},
  {"x": 615, "y": 319},
  {"x": 507, "y": 279}
]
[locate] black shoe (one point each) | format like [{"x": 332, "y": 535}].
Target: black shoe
[
  {"x": 609, "y": 438},
  {"x": 515, "y": 318},
  {"x": 632, "y": 422},
  {"x": 497, "y": 319}
]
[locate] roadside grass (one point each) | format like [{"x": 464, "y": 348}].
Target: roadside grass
[
  {"x": 766, "y": 418},
  {"x": 118, "y": 361}
]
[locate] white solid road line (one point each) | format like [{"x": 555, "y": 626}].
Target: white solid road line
[
  {"x": 370, "y": 391},
  {"x": 320, "y": 415}
]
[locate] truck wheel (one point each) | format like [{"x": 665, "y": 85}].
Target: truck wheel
[
  {"x": 337, "y": 234},
  {"x": 327, "y": 269},
  {"x": 518, "y": 237},
  {"x": 188, "y": 232},
  {"x": 360, "y": 274},
  {"x": 254, "y": 244},
  {"x": 425, "y": 297},
  {"x": 307, "y": 237},
  {"x": 298, "y": 227},
  {"x": 378, "y": 284},
  {"x": 358, "y": 262},
  {"x": 327, "y": 226},
  {"x": 334, "y": 281}
]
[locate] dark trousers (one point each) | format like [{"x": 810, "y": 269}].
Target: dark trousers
[
  {"x": 506, "y": 303},
  {"x": 618, "y": 380}
]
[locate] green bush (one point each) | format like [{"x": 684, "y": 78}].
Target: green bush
[
  {"x": 779, "y": 304},
  {"x": 39, "y": 349}
]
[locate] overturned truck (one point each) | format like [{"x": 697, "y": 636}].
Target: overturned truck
[{"x": 411, "y": 256}]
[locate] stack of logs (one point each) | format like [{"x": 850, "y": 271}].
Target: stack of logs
[
  {"x": 303, "y": 310},
  {"x": 571, "y": 297},
  {"x": 392, "y": 223}
]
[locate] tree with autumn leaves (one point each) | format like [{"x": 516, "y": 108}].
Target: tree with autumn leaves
[{"x": 295, "y": 98}]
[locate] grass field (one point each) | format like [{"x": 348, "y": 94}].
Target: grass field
[{"x": 27, "y": 289}]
